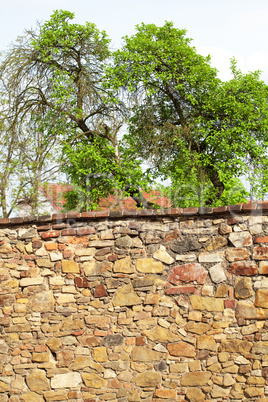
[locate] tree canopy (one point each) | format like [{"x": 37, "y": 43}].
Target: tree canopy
[
  {"x": 98, "y": 115},
  {"x": 192, "y": 127}
]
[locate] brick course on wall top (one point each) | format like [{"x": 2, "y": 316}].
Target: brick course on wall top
[{"x": 167, "y": 305}]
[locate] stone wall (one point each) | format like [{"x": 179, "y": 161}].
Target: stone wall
[{"x": 135, "y": 306}]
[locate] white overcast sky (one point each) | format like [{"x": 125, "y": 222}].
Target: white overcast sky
[{"x": 221, "y": 28}]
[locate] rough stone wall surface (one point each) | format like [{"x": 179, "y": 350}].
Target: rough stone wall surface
[{"x": 135, "y": 307}]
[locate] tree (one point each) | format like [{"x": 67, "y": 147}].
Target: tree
[
  {"x": 59, "y": 69},
  {"x": 189, "y": 125}
]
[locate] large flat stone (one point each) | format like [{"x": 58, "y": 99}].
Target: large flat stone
[
  {"x": 162, "y": 255},
  {"x": 67, "y": 380},
  {"x": 237, "y": 254},
  {"x": 125, "y": 296},
  {"x": 236, "y": 346},
  {"x": 211, "y": 257},
  {"x": 240, "y": 239},
  {"x": 148, "y": 379},
  {"x": 143, "y": 354},
  {"x": 124, "y": 266},
  {"x": 37, "y": 381},
  {"x": 195, "y": 379},
  {"x": 161, "y": 334},
  {"x": 70, "y": 267},
  {"x": 206, "y": 303},
  {"x": 187, "y": 273},
  {"x": 93, "y": 380},
  {"x": 244, "y": 268},
  {"x": 149, "y": 266},
  {"x": 217, "y": 273},
  {"x": 249, "y": 312},
  {"x": 42, "y": 302},
  {"x": 243, "y": 288},
  {"x": 261, "y": 299},
  {"x": 181, "y": 349}
]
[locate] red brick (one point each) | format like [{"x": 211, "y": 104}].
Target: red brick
[
  {"x": 129, "y": 212},
  {"x": 89, "y": 214},
  {"x": 51, "y": 246},
  {"x": 259, "y": 239},
  {"x": 81, "y": 282},
  {"x": 145, "y": 212},
  {"x": 229, "y": 303},
  {"x": 187, "y": 273},
  {"x": 100, "y": 291},
  {"x": 249, "y": 207},
  {"x": 59, "y": 226},
  {"x": 236, "y": 207},
  {"x": 17, "y": 220},
  {"x": 205, "y": 210},
  {"x": 50, "y": 234},
  {"x": 73, "y": 215},
  {"x": 262, "y": 205},
  {"x": 173, "y": 211},
  {"x": 105, "y": 213},
  {"x": 116, "y": 214},
  {"x": 180, "y": 290},
  {"x": 59, "y": 216},
  {"x": 218, "y": 210},
  {"x": 68, "y": 232},
  {"x": 85, "y": 231},
  {"x": 4, "y": 221},
  {"x": 189, "y": 211},
  {"x": 43, "y": 228},
  {"x": 243, "y": 268}
]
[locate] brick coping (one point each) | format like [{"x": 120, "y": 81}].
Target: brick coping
[{"x": 256, "y": 208}]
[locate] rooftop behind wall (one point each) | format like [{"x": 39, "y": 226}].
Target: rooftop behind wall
[{"x": 167, "y": 305}]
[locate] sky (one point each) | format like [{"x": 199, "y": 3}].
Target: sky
[{"x": 221, "y": 28}]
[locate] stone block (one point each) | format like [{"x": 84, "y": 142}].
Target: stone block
[
  {"x": 206, "y": 303},
  {"x": 181, "y": 349},
  {"x": 237, "y": 254},
  {"x": 124, "y": 266},
  {"x": 187, "y": 273},
  {"x": 217, "y": 273},
  {"x": 243, "y": 268},
  {"x": 240, "y": 239},
  {"x": 195, "y": 379},
  {"x": 37, "y": 381},
  {"x": 66, "y": 380},
  {"x": 149, "y": 266},
  {"x": 261, "y": 299},
  {"x": 125, "y": 296},
  {"x": 148, "y": 379},
  {"x": 93, "y": 380},
  {"x": 70, "y": 267}
]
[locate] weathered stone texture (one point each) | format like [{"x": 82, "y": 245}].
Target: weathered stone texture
[{"x": 157, "y": 307}]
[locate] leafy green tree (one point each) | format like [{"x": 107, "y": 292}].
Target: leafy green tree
[
  {"x": 190, "y": 126},
  {"x": 59, "y": 70}
]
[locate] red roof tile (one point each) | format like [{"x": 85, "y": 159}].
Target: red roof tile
[{"x": 55, "y": 194}]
